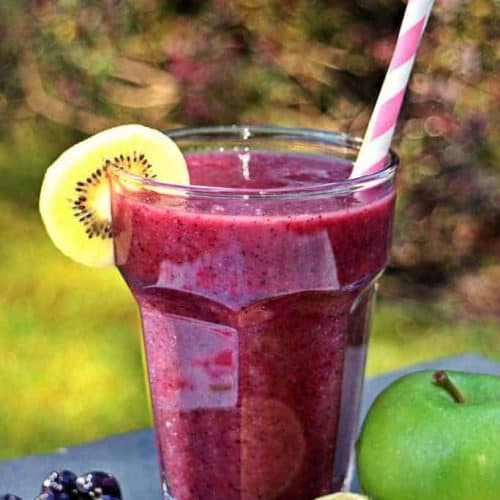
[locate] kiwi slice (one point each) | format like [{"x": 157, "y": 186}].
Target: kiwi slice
[
  {"x": 75, "y": 198},
  {"x": 343, "y": 496}
]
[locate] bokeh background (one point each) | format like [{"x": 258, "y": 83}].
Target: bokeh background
[{"x": 71, "y": 367}]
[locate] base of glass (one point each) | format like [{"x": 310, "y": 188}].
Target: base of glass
[{"x": 164, "y": 490}]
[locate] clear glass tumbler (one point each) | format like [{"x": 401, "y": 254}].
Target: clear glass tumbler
[{"x": 254, "y": 285}]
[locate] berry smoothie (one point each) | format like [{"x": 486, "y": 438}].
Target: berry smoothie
[{"x": 255, "y": 313}]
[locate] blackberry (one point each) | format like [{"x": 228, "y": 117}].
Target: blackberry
[
  {"x": 48, "y": 494},
  {"x": 59, "y": 485},
  {"x": 98, "y": 485},
  {"x": 9, "y": 496}
]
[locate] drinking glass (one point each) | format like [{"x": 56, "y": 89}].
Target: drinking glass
[{"x": 254, "y": 285}]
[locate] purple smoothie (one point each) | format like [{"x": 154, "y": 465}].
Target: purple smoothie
[{"x": 255, "y": 316}]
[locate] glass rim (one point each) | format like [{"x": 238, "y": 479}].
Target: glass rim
[{"x": 245, "y": 132}]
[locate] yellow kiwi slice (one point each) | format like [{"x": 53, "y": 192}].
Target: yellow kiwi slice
[
  {"x": 75, "y": 197},
  {"x": 343, "y": 496}
]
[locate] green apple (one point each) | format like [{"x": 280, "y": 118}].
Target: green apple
[{"x": 433, "y": 435}]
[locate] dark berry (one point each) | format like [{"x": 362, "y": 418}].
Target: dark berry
[
  {"x": 61, "y": 480},
  {"x": 9, "y": 496},
  {"x": 99, "y": 485},
  {"x": 59, "y": 485},
  {"x": 48, "y": 494}
]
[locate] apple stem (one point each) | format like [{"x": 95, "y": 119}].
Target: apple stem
[{"x": 441, "y": 378}]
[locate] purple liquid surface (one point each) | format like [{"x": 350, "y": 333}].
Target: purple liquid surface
[{"x": 255, "y": 317}]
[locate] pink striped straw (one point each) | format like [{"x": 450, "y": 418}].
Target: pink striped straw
[{"x": 380, "y": 131}]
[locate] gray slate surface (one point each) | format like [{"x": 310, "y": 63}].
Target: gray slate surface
[{"x": 132, "y": 457}]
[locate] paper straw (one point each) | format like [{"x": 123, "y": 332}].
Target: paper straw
[{"x": 378, "y": 137}]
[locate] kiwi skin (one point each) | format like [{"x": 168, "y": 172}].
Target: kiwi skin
[{"x": 95, "y": 226}]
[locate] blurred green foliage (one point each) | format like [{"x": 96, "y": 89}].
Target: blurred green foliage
[{"x": 69, "y": 336}]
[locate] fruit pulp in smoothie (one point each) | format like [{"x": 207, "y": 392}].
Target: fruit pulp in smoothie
[{"x": 255, "y": 316}]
